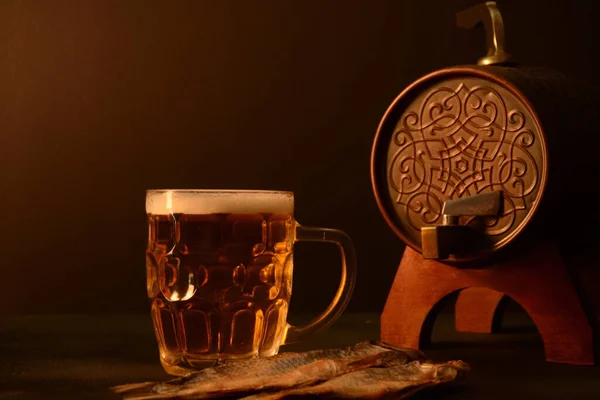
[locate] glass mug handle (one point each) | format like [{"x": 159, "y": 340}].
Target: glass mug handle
[{"x": 347, "y": 281}]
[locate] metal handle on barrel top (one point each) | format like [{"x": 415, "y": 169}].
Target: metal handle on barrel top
[
  {"x": 489, "y": 16},
  {"x": 347, "y": 281}
]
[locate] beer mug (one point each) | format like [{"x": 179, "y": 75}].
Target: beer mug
[{"x": 219, "y": 274}]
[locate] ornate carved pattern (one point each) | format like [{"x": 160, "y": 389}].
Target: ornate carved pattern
[{"x": 462, "y": 138}]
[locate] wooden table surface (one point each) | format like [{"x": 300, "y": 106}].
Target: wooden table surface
[{"x": 80, "y": 357}]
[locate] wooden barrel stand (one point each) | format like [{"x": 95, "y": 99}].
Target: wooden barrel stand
[{"x": 539, "y": 281}]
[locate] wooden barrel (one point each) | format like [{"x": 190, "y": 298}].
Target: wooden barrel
[{"x": 528, "y": 132}]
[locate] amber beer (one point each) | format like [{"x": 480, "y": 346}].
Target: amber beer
[{"x": 219, "y": 274}]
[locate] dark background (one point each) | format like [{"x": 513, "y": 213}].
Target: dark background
[{"x": 101, "y": 100}]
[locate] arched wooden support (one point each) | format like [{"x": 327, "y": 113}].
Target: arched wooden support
[
  {"x": 538, "y": 280},
  {"x": 476, "y": 310}
]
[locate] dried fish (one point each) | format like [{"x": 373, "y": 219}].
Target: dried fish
[
  {"x": 250, "y": 376},
  {"x": 398, "y": 382},
  {"x": 286, "y": 373}
]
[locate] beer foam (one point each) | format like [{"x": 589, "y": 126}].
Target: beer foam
[{"x": 165, "y": 202}]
